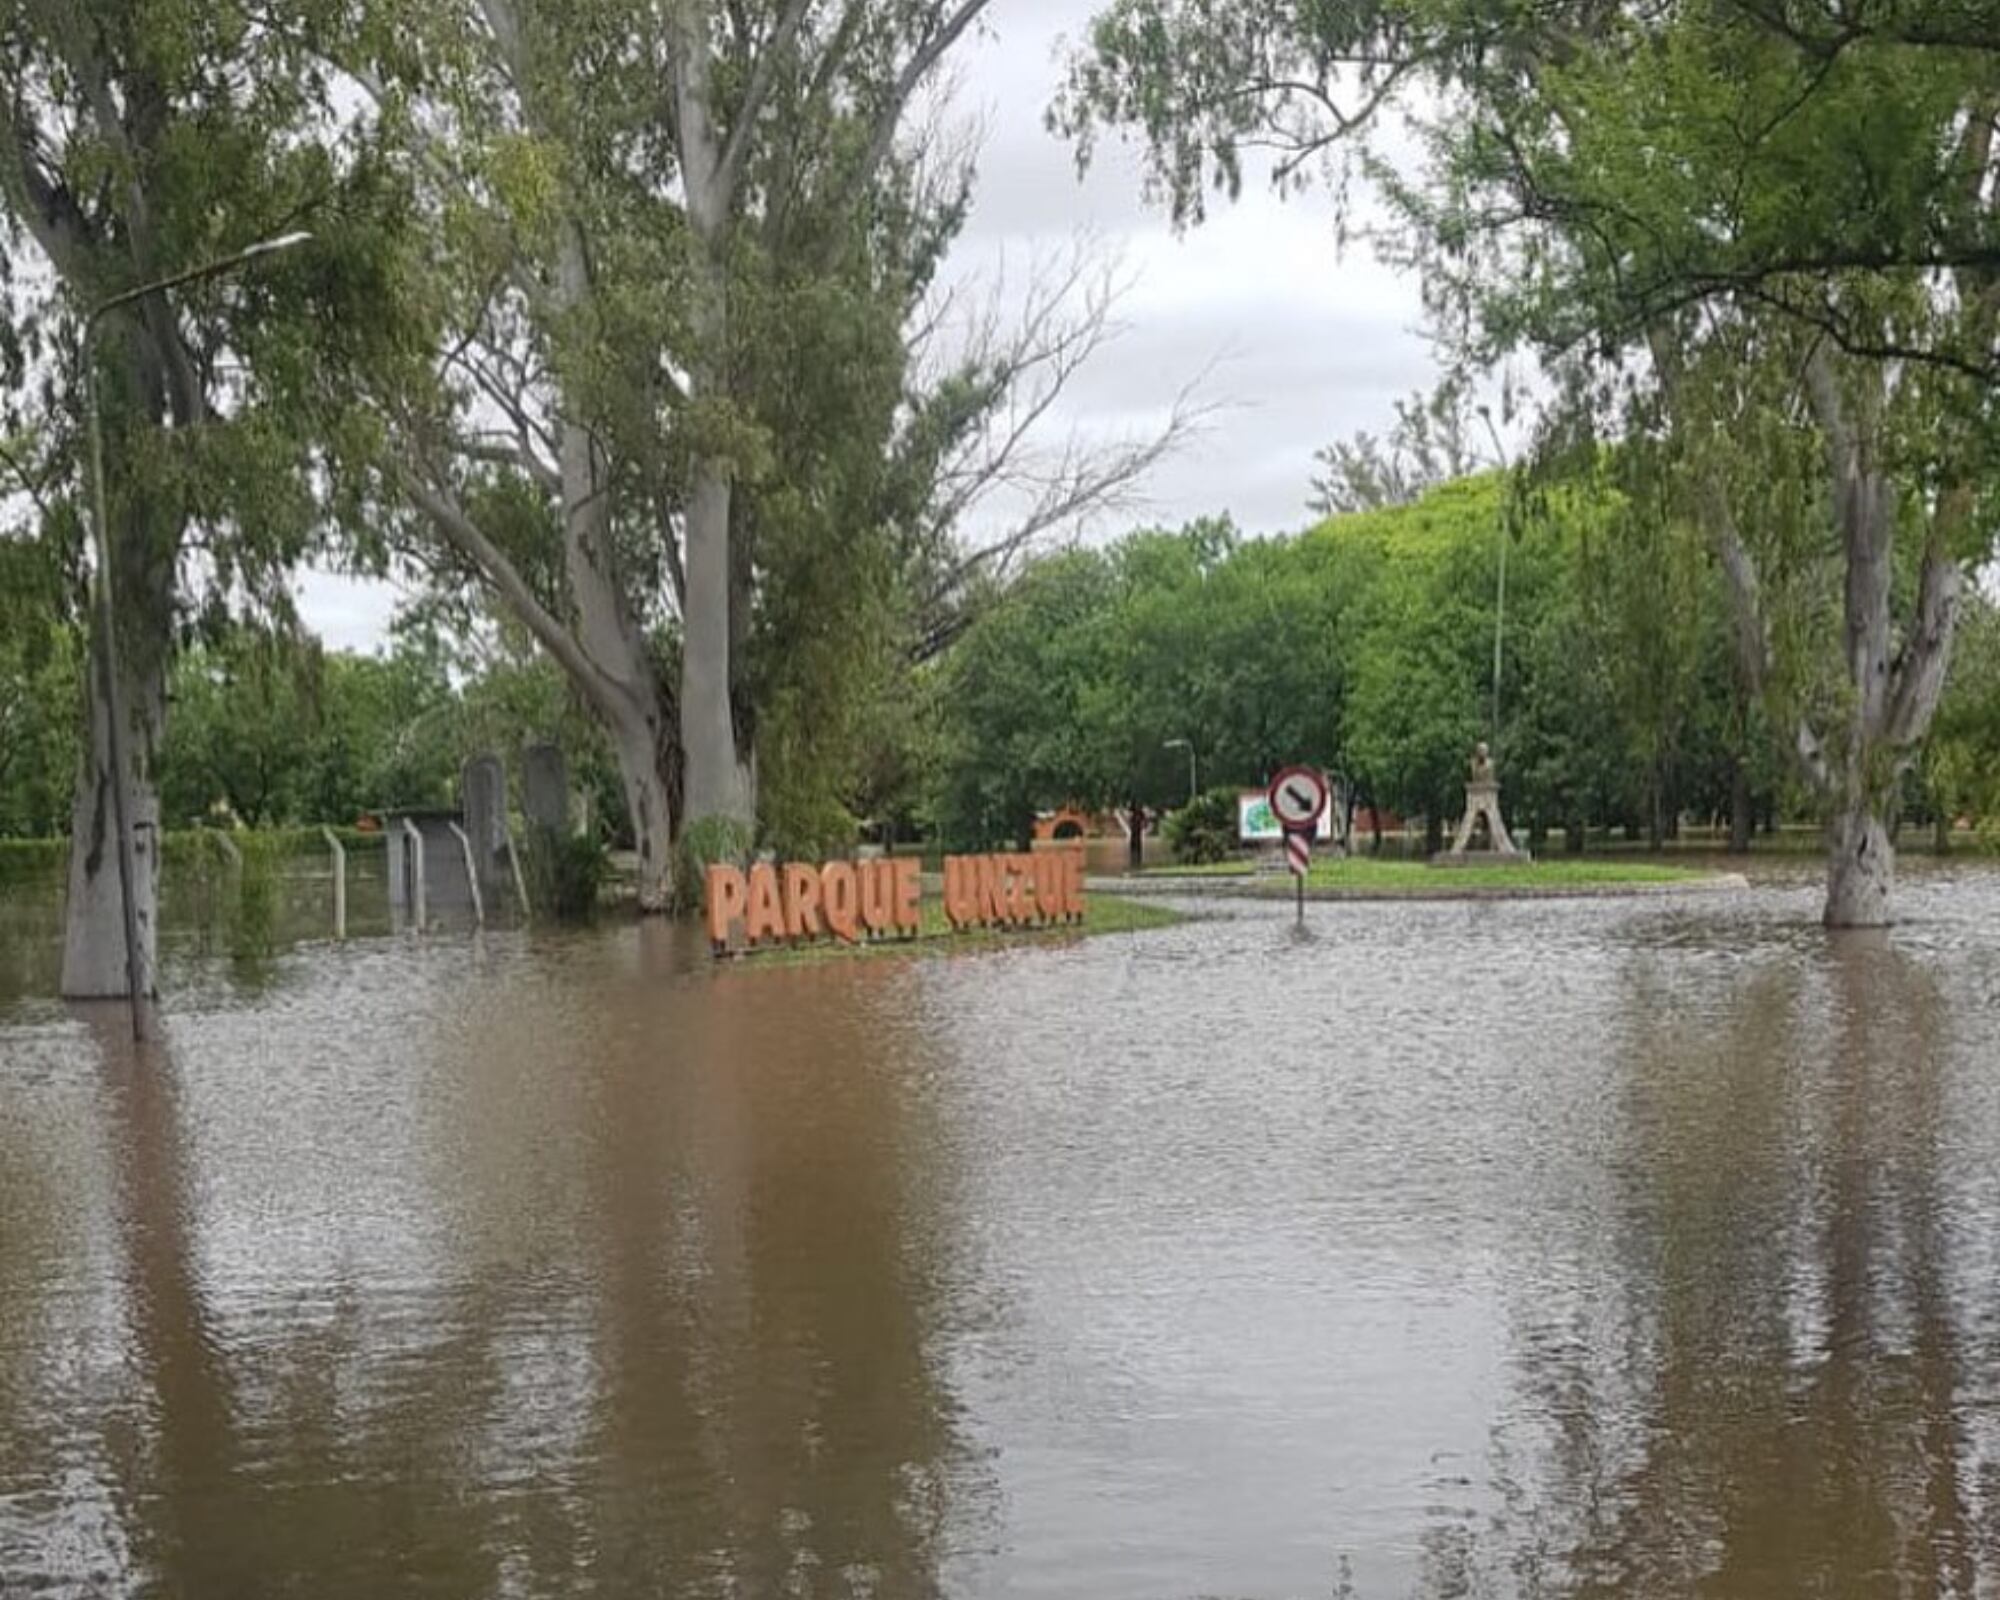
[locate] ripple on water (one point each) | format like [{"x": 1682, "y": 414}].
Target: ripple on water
[{"x": 1585, "y": 1246}]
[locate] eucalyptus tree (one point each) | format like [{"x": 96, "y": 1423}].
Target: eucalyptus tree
[
  {"x": 681, "y": 424},
  {"x": 144, "y": 137},
  {"x": 1753, "y": 225}
]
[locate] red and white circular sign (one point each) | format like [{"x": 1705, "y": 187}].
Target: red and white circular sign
[{"x": 1298, "y": 796}]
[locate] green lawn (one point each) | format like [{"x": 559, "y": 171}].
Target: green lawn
[
  {"x": 1105, "y": 913},
  {"x": 1412, "y": 877}
]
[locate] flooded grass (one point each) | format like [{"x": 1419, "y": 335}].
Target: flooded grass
[{"x": 1362, "y": 874}]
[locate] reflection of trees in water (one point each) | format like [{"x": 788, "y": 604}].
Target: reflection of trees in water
[
  {"x": 771, "y": 1417},
  {"x": 1760, "y": 1384},
  {"x": 738, "y": 1344}
]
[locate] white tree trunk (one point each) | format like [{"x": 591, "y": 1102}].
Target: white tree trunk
[
  {"x": 643, "y": 774},
  {"x": 94, "y": 931},
  {"x": 1860, "y": 869},
  {"x": 715, "y": 779}
]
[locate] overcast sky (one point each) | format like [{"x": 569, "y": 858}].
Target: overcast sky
[{"x": 1299, "y": 343}]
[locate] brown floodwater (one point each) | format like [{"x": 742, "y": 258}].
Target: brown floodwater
[{"x": 1645, "y": 1248}]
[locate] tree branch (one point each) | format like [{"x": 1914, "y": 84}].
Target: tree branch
[{"x": 471, "y": 541}]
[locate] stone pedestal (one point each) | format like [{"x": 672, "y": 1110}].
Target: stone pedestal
[{"x": 1482, "y": 800}]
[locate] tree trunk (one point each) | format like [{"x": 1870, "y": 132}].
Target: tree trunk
[
  {"x": 708, "y": 730},
  {"x": 1861, "y": 869},
  {"x": 718, "y": 775},
  {"x": 1742, "y": 817},
  {"x": 94, "y": 935},
  {"x": 1576, "y": 834},
  {"x": 1941, "y": 836},
  {"x": 1135, "y": 845},
  {"x": 645, "y": 762},
  {"x": 1433, "y": 831}
]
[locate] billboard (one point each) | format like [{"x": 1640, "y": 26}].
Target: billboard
[{"x": 1256, "y": 825}]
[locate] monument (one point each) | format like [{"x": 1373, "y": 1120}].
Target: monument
[{"x": 1482, "y": 806}]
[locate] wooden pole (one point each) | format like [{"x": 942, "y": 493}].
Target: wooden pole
[{"x": 339, "y": 882}]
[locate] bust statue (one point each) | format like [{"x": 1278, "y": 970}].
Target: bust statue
[{"x": 1482, "y": 763}]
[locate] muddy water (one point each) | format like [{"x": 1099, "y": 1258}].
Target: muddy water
[{"x": 1562, "y": 1249}]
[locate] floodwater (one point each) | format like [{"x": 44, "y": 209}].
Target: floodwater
[{"x": 1588, "y": 1248}]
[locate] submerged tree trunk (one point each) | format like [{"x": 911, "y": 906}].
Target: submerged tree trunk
[
  {"x": 1742, "y": 817},
  {"x": 94, "y": 933},
  {"x": 1861, "y": 870},
  {"x": 645, "y": 775},
  {"x": 1893, "y": 687},
  {"x": 145, "y": 391}
]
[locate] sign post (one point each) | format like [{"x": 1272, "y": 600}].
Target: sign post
[{"x": 1298, "y": 798}]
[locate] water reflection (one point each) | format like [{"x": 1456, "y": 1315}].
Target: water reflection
[
  {"x": 1567, "y": 1250},
  {"x": 1784, "y": 1382},
  {"x": 479, "y": 1320}
]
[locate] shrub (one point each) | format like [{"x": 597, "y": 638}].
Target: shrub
[
  {"x": 564, "y": 873},
  {"x": 1204, "y": 829},
  {"x": 705, "y": 841}
]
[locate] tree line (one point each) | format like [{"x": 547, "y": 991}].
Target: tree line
[
  {"x": 1366, "y": 645},
  {"x": 625, "y": 322},
  {"x": 1756, "y": 243},
  {"x": 621, "y": 321}
]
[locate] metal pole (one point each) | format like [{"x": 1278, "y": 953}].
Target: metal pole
[
  {"x": 339, "y": 882},
  {"x": 1500, "y": 607},
  {"x": 114, "y": 700},
  {"x": 514, "y": 861},
  {"x": 419, "y": 901},
  {"x": 1499, "y": 629},
  {"x": 1300, "y": 879},
  {"x": 107, "y": 610},
  {"x": 471, "y": 876}
]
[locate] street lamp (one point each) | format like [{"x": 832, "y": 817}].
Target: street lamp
[
  {"x": 1188, "y": 746},
  {"x": 107, "y": 656}
]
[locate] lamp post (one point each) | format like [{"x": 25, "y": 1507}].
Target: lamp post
[
  {"x": 107, "y": 655},
  {"x": 1188, "y": 746},
  {"x": 1500, "y": 598}
]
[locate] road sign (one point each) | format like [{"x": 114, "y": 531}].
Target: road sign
[
  {"x": 1298, "y": 797},
  {"x": 1299, "y": 852}
]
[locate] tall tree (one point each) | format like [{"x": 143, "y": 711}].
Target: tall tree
[
  {"x": 143, "y": 137},
  {"x": 677, "y": 427}
]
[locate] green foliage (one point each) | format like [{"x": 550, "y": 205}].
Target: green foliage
[
  {"x": 253, "y": 924},
  {"x": 1961, "y": 767},
  {"x": 703, "y": 843},
  {"x": 1204, "y": 830},
  {"x": 565, "y": 873},
  {"x": 1366, "y": 646}
]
